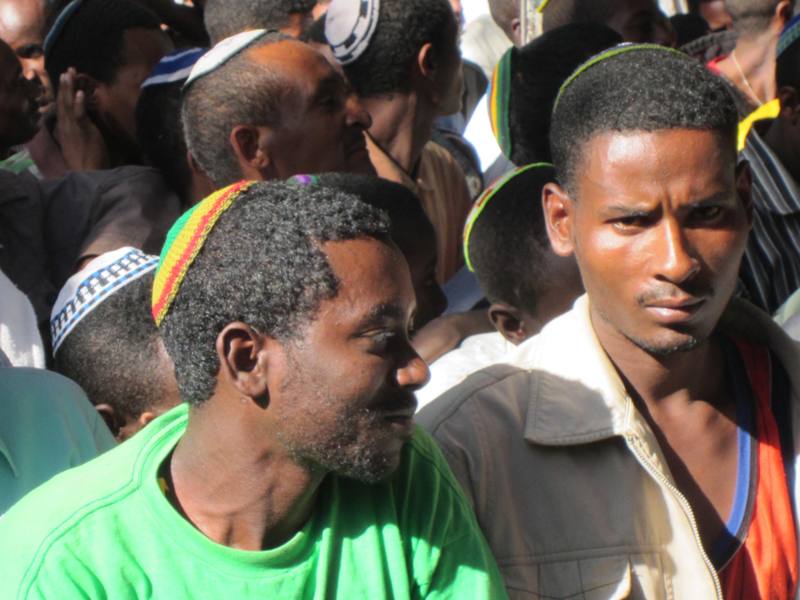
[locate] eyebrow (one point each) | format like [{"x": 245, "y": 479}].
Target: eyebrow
[
  {"x": 382, "y": 312},
  {"x": 330, "y": 84},
  {"x": 641, "y": 209}
]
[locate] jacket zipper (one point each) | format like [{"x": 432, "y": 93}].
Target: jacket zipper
[{"x": 633, "y": 443}]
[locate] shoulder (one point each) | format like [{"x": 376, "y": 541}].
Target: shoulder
[{"x": 49, "y": 525}]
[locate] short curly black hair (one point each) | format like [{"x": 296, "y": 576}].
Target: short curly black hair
[
  {"x": 262, "y": 264},
  {"x": 643, "y": 88},
  {"x": 114, "y": 354},
  {"x": 224, "y": 18},
  {"x": 558, "y": 13},
  {"x": 508, "y": 243},
  {"x": 537, "y": 71},
  {"x": 237, "y": 93},
  {"x": 92, "y": 39},
  {"x": 404, "y": 26}
]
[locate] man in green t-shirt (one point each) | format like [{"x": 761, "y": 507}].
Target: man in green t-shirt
[{"x": 293, "y": 469}]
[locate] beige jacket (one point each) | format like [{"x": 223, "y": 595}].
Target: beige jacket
[{"x": 567, "y": 480}]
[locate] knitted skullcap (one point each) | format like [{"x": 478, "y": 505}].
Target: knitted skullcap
[
  {"x": 222, "y": 53},
  {"x": 87, "y": 289},
  {"x": 498, "y": 188},
  {"x": 184, "y": 242},
  {"x": 349, "y": 27},
  {"x": 500, "y": 101},
  {"x": 789, "y": 35},
  {"x": 173, "y": 67}
]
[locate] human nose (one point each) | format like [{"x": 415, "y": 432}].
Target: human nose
[
  {"x": 414, "y": 373},
  {"x": 677, "y": 264},
  {"x": 356, "y": 113}
]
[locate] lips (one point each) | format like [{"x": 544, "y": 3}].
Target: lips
[{"x": 675, "y": 310}]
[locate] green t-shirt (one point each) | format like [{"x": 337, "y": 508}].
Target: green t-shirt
[{"x": 106, "y": 530}]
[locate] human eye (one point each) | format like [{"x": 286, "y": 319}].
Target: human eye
[
  {"x": 630, "y": 223},
  {"x": 707, "y": 214}
]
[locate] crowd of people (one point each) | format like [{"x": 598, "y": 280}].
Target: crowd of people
[{"x": 357, "y": 299}]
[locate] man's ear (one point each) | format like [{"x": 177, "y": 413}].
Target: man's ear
[
  {"x": 249, "y": 144},
  {"x": 427, "y": 66},
  {"x": 783, "y": 13},
  {"x": 113, "y": 419},
  {"x": 243, "y": 361},
  {"x": 516, "y": 33},
  {"x": 93, "y": 91},
  {"x": 744, "y": 186},
  {"x": 509, "y": 321},
  {"x": 559, "y": 212}
]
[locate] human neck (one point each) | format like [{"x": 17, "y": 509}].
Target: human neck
[
  {"x": 755, "y": 56},
  {"x": 401, "y": 126},
  {"x": 237, "y": 486},
  {"x": 658, "y": 381}
]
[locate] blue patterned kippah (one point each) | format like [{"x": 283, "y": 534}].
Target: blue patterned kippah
[
  {"x": 88, "y": 288},
  {"x": 174, "y": 67}
]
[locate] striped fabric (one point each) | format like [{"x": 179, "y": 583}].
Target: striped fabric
[
  {"x": 770, "y": 269},
  {"x": 184, "y": 242}
]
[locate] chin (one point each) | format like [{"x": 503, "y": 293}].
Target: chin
[{"x": 668, "y": 345}]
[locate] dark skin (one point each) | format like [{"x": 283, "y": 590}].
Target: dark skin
[
  {"x": 246, "y": 472},
  {"x": 658, "y": 224},
  {"x": 782, "y": 134}
]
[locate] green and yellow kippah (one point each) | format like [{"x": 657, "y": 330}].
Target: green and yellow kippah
[
  {"x": 500, "y": 101},
  {"x": 610, "y": 53},
  {"x": 184, "y": 242},
  {"x": 483, "y": 201}
]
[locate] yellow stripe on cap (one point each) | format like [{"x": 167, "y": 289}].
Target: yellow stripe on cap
[{"x": 483, "y": 201}]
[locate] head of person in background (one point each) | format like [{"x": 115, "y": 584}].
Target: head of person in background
[
  {"x": 526, "y": 83},
  {"x": 750, "y": 66},
  {"x": 159, "y": 129},
  {"x": 506, "y": 245},
  {"x": 105, "y": 339},
  {"x": 224, "y": 18},
  {"x": 782, "y": 134},
  {"x": 19, "y": 102},
  {"x": 320, "y": 8},
  {"x": 713, "y": 12},
  {"x": 637, "y": 21},
  {"x": 106, "y": 49},
  {"x": 506, "y": 13},
  {"x": 405, "y": 50},
  {"x": 23, "y": 25},
  {"x": 262, "y": 105},
  {"x": 409, "y": 228}
]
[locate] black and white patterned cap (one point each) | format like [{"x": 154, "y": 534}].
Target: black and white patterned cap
[
  {"x": 88, "y": 288},
  {"x": 349, "y": 27}
]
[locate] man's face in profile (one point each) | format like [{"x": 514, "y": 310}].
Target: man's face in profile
[
  {"x": 346, "y": 401},
  {"x": 322, "y": 124}
]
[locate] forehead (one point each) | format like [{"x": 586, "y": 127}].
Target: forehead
[
  {"x": 21, "y": 21},
  {"x": 371, "y": 273},
  {"x": 642, "y": 165},
  {"x": 295, "y": 61}
]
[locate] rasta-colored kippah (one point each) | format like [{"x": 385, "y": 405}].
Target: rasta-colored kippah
[
  {"x": 610, "y": 53},
  {"x": 500, "y": 101},
  {"x": 483, "y": 201},
  {"x": 789, "y": 35},
  {"x": 184, "y": 242}
]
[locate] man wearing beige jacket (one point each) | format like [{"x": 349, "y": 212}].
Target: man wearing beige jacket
[{"x": 643, "y": 444}]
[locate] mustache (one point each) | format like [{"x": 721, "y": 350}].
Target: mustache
[
  {"x": 396, "y": 400},
  {"x": 655, "y": 295}
]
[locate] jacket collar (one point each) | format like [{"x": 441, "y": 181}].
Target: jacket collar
[{"x": 577, "y": 395}]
